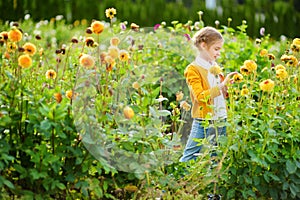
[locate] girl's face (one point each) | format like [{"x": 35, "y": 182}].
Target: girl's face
[{"x": 212, "y": 52}]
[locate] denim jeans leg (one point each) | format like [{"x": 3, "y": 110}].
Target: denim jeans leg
[
  {"x": 212, "y": 133},
  {"x": 198, "y": 132},
  {"x": 192, "y": 147}
]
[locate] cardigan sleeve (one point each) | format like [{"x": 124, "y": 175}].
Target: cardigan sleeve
[{"x": 195, "y": 82}]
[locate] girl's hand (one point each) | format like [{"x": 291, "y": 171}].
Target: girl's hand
[{"x": 227, "y": 80}]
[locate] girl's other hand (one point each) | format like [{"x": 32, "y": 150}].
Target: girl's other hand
[{"x": 228, "y": 78}]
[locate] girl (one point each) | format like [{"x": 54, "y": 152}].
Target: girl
[{"x": 207, "y": 90}]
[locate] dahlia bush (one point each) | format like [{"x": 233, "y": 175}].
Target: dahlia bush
[{"x": 101, "y": 110}]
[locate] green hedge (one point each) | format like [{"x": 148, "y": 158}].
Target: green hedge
[{"x": 279, "y": 17}]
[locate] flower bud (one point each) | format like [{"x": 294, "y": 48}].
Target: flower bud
[{"x": 128, "y": 112}]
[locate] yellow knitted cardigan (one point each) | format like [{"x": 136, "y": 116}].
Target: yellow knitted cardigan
[{"x": 200, "y": 92}]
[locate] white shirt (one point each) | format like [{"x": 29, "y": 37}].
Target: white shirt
[{"x": 219, "y": 108}]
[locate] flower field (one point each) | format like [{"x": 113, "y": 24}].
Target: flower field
[{"x": 101, "y": 110}]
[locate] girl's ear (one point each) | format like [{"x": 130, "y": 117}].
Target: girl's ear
[{"x": 203, "y": 45}]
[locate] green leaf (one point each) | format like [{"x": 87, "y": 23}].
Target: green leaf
[
  {"x": 234, "y": 147},
  {"x": 294, "y": 189},
  {"x": 60, "y": 112},
  {"x": 274, "y": 177},
  {"x": 295, "y": 179},
  {"x": 256, "y": 180},
  {"x": 5, "y": 120},
  {"x": 231, "y": 194},
  {"x": 98, "y": 191},
  {"x": 248, "y": 179},
  {"x": 45, "y": 125},
  {"x": 164, "y": 113},
  {"x": 70, "y": 178},
  {"x": 134, "y": 165},
  {"x": 273, "y": 193},
  {"x": 7, "y": 157},
  {"x": 161, "y": 99},
  {"x": 105, "y": 186},
  {"x": 6, "y": 182},
  {"x": 61, "y": 133},
  {"x": 266, "y": 177},
  {"x": 61, "y": 186},
  {"x": 21, "y": 170},
  {"x": 285, "y": 186},
  {"x": 297, "y": 163},
  {"x": 291, "y": 167},
  {"x": 269, "y": 158},
  {"x": 44, "y": 110},
  {"x": 283, "y": 195},
  {"x": 36, "y": 175}
]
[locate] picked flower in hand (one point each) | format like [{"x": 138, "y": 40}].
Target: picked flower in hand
[
  {"x": 215, "y": 70},
  {"x": 238, "y": 78}
]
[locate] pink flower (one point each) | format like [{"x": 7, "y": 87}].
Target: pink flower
[
  {"x": 262, "y": 31},
  {"x": 188, "y": 37},
  {"x": 156, "y": 27},
  {"x": 123, "y": 26}
]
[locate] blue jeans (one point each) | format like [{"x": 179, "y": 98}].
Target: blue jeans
[{"x": 199, "y": 132}]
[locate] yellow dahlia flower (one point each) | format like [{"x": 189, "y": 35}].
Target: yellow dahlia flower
[
  {"x": 3, "y": 36},
  {"x": 263, "y": 52},
  {"x": 102, "y": 57},
  {"x": 58, "y": 97},
  {"x": 114, "y": 41},
  {"x": 50, "y": 74},
  {"x": 69, "y": 94},
  {"x": 185, "y": 106},
  {"x": 277, "y": 67},
  {"x": 110, "y": 62},
  {"x": 296, "y": 41},
  {"x": 179, "y": 95},
  {"x": 281, "y": 74},
  {"x": 136, "y": 85},
  {"x": 123, "y": 55},
  {"x": 109, "y": 66},
  {"x": 108, "y": 59},
  {"x": 110, "y": 13},
  {"x": 11, "y": 47},
  {"x": 29, "y": 48},
  {"x": 24, "y": 61},
  {"x": 244, "y": 90},
  {"x": 249, "y": 67},
  {"x": 97, "y": 27},
  {"x": 267, "y": 85},
  {"x": 87, "y": 61},
  {"x": 113, "y": 51},
  {"x": 89, "y": 41},
  {"x": 134, "y": 26},
  {"x": 271, "y": 56},
  {"x": 238, "y": 78},
  {"x": 15, "y": 35},
  {"x": 295, "y": 46},
  {"x": 289, "y": 60}
]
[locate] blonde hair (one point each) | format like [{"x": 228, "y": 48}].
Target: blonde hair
[{"x": 208, "y": 34}]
